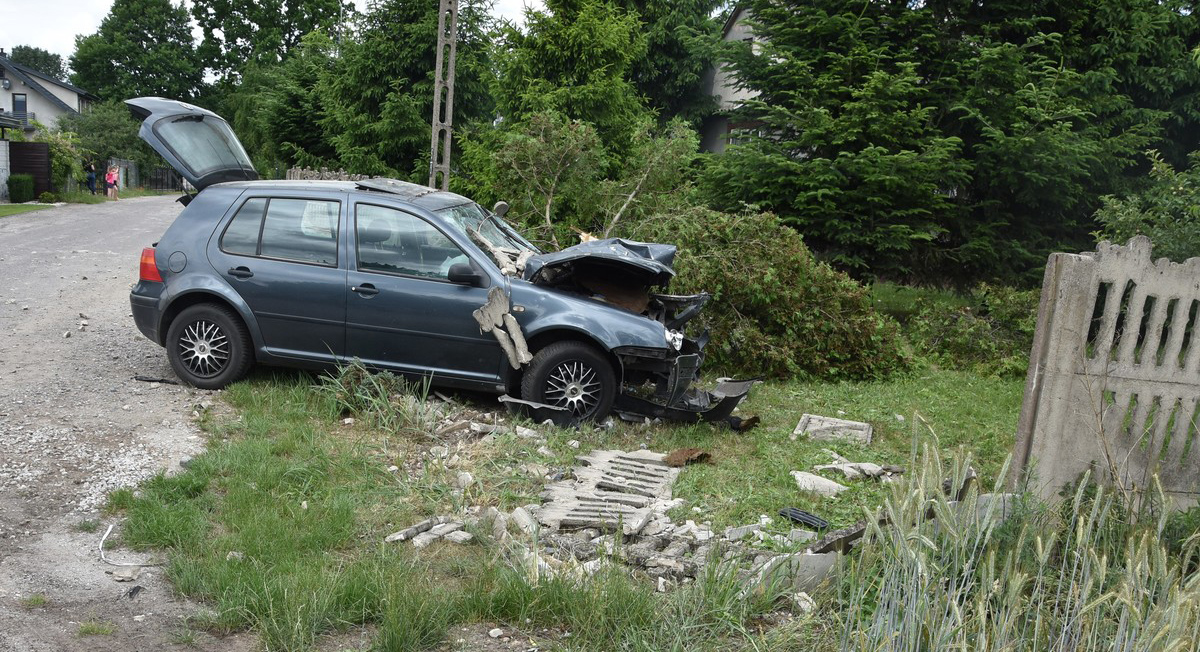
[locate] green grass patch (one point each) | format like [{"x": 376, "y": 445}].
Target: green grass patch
[
  {"x": 279, "y": 524},
  {"x": 34, "y": 601},
  {"x": 80, "y": 197},
  {"x": 96, "y": 628},
  {"x": 14, "y": 209}
]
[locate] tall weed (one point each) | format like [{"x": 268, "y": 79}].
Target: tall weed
[{"x": 1087, "y": 577}]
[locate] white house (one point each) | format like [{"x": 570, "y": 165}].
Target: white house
[
  {"x": 717, "y": 131},
  {"x": 27, "y": 95}
]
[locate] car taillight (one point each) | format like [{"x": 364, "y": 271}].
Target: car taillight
[{"x": 149, "y": 271}]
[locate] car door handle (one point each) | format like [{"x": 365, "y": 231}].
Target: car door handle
[
  {"x": 365, "y": 288},
  {"x": 240, "y": 272}
]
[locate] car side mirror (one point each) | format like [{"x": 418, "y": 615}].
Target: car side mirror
[
  {"x": 500, "y": 208},
  {"x": 465, "y": 274}
]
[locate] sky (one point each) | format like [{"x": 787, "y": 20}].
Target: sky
[{"x": 53, "y": 24}]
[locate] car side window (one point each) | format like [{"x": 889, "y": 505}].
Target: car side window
[
  {"x": 395, "y": 242},
  {"x": 241, "y": 236},
  {"x": 303, "y": 230}
]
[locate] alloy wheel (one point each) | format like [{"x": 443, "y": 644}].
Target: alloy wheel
[{"x": 204, "y": 348}]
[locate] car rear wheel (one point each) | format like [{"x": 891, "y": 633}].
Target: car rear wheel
[
  {"x": 209, "y": 346},
  {"x": 574, "y": 376}
]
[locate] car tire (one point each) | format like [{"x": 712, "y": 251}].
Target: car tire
[
  {"x": 209, "y": 346},
  {"x": 571, "y": 375}
]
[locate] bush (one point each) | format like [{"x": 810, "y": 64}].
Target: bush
[
  {"x": 20, "y": 188},
  {"x": 992, "y": 335},
  {"x": 47, "y": 198},
  {"x": 1166, "y": 211},
  {"x": 776, "y": 311}
]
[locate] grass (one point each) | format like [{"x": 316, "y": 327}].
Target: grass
[
  {"x": 14, "y": 209},
  {"x": 305, "y": 501},
  {"x": 903, "y": 302},
  {"x": 305, "y": 572},
  {"x": 34, "y": 601},
  {"x": 96, "y": 628},
  {"x": 87, "y": 525}
]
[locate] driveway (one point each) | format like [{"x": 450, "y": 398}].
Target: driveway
[{"x": 74, "y": 425}]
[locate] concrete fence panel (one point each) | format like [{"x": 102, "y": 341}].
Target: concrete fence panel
[{"x": 1113, "y": 380}]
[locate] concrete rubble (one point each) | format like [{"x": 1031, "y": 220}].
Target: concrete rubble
[
  {"x": 821, "y": 428},
  {"x": 613, "y": 509},
  {"x": 816, "y": 484}
]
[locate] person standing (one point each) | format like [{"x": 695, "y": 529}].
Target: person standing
[
  {"x": 112, "y": 178},
  {"x": 91, "y": 177}
]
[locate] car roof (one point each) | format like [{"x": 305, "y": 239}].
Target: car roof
[{"x": 423, "y": 196}]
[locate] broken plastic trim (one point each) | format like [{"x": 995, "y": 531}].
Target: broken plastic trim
[
  {"x": 539, "y": 412},
  {"x": 696, "y": 405}
]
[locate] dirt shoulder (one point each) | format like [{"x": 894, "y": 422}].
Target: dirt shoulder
[{"x": 75, "y": 425}]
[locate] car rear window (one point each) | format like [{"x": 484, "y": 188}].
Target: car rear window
[{"x": 301, "y": 230}]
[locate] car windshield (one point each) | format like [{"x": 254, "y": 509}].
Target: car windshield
[{"x": 489, "y": 230}]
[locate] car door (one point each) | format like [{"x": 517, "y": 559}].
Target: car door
[
  {"x": 402, "y": 312},
  {"x": 280, "y": 252}
]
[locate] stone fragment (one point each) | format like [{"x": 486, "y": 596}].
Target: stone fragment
[
  {"x": 464, "y": 480},
  {"x": 524, "y": 521},
  {"x": 803, "y": 602},
  {"x": 459, "y": 536},
  {"x": 526, "y": 433},
  {"x": 804, "y": 571},
  {"x": 809, "y": 482},
  {"x": 496, "y": 632},
  {"x": 424, "y": 539},
  {"x": 410, "y": 532},
  {"x": 445, "y": 528},
  {"x": 801, "y": 535},
  {"x": 126, "y": 573},
  {"x": 854, "y": 470},
  {"x": 677, "y": 548},
  {"x": 234, "y": 555},
  {"x": 821, "y": 428},
  {"x": 500, "y": 527}
]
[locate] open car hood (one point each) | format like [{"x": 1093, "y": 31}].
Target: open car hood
[
  {"x": 623, "y": 261},
  {"x": 196, "y": 142}
]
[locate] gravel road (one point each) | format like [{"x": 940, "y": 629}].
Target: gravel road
[{"x": 74, "y": 425}]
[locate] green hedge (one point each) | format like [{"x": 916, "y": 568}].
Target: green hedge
[{"x": 20, "y": 188}]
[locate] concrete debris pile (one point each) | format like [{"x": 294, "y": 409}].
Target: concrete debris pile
[{"x": 613, "y": 509}]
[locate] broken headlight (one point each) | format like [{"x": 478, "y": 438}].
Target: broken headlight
[{"x": 674, "y": 338}]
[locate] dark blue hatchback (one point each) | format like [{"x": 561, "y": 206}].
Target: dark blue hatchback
[{"x": 408, "y": 279}]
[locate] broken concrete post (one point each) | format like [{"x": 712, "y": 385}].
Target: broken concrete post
[
  {"x": 410, "y": 532},
  {"x": 803, "y": 571},
  {"x": 816, "y": 484},
  {"x": 1113, "y": 380},
  {"x": 821, "y": 428},
  {"x": 493, "y": 317}
]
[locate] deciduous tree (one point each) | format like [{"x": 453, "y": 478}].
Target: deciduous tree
[
  {"x": 40, "y": 60},
  {"x": 143, "y": 47}
]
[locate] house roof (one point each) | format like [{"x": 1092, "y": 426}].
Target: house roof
[
  {"x": 30, "y": 76},
  {"x": 734, "y": 17},
  {"x": 9, "y": 122}
]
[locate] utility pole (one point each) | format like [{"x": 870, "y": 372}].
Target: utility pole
[{"x": 443, "y": 96}]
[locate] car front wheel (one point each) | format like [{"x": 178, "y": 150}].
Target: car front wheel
[
  {"x": 573, "y": 376},
  {"x": 208, "y": 346}
]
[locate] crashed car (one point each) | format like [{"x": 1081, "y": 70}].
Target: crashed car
[{"x": 407, "y": 279}]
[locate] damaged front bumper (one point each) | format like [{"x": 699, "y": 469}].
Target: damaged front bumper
[{"x": 673, "y": 397}]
